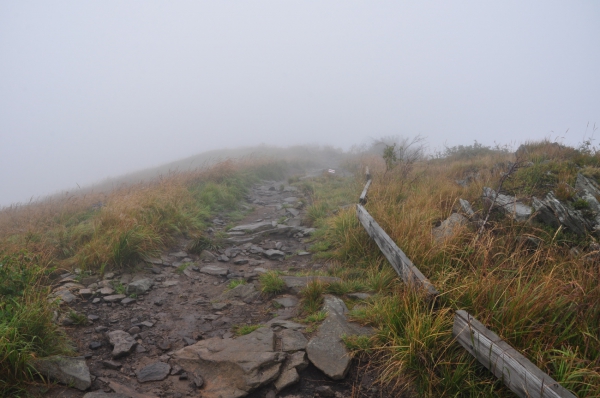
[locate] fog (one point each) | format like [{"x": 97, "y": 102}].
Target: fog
[{"x": 95, "y": 89}]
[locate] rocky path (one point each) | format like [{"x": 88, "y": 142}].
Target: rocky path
[{"x": 168, "y": 329}]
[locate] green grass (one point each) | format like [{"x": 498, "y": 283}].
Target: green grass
[
  {"x": 235, "y": 282},
  {"x": 271, "y": 283},
  {"x": 242, "y": 330},
  {"x": 26, "y": 327}
]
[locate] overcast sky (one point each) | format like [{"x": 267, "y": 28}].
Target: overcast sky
[{"x": 91, "y": 89}]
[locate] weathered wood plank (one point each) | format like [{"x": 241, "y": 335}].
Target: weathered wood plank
[
  {"x": 518, "y": 373},
  {"x": 367, "y": 173},
  {"x": 399, "y": 261},
  {"x": 363, "y": 196}
]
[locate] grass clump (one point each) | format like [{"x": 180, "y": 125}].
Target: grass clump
[
  {"x": 26, "y": 327},
  {"x": 242, "y": 330},
  {"x": 271, "y": 283},
  {"x": 235, "y": 283}
]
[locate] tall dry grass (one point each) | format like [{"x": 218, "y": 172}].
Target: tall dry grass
[{"x": 542, "y": 300}]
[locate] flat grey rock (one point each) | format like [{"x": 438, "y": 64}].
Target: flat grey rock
[
  {"x": 233, "y": 367},
  {"x": 106, "y": 291},
  {"x": 508, "y": 204},
  {"x": 287, "y": 301},
  {"x": 254, "y": 227},
  {"x": 114, "y": 297},
  {"x": 246, "y": 293},
  {"x": 326, "y": 350},
  {"x": 154, "y": 372},
  {"x": 292, "y": 340},
  {"x": 214, "y": 270},
  {"x": 140, "y": 286},
  {"x": 273, "y": 254},
  {"x": 64, "y": 295},
  {"x": 292, "y": 211},
  {"x": 284, "y": 323},
  {"x": 448, "y": 227},
  {"x": 123, "y": 343},
  {"x": 179, "y": 254},
  {"x": 359, "y": 296},
  {"x": 66, "y": 370}
]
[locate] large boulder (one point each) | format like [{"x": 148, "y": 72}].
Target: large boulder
[
  {"x": 66, "y": 370},
  {"x": 233, "y": 367},
  {"x": 553, "y": 212},
  {"x": 140, "y": 286},
  {"x": 326, "y": 350},
  {"x": 448, "y": 227},
  {"x": 507, "y": 204}
]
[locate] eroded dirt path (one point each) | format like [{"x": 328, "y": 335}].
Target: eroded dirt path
[{"x": 184, "y": 306}]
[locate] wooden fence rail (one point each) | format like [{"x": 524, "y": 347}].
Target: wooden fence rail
[
  {"x": 519, "y": 374},
  {"x": 399, "y": 261}
]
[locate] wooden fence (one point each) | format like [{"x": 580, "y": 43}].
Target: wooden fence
[{"x": 519, "y": 374}]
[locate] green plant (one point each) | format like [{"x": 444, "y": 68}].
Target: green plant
[
  {"x": 235, "y": 282},
  {"x": 77, "y": 318},
  {"x": 271, "y": 283},
  {"x": 119, "y": 287},
  {"x": 312, "y": 296},
  {"x": 241, "y": 330}
]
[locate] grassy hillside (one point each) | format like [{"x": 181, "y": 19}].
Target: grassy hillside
[{"x": 544, "y": 299}]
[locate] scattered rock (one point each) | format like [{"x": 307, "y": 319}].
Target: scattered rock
[
  {"x": 154, "y": 372},
  {"x": 64, "y": 295},
  {"x": 207, "y": 256},
  {"x": 223, "y": 258},
  {"x": 245, "y": 292},
  {"x": 292, "y": 340},
  {"x": 287, "y": 301},
  {"x": 214, "y": 270},
  {"x": 466, "y": 208},
  {"x": 86, "y": 293},
  {"x": 122, "y": 342},
  {"x": 106, "y": 291},
  {"x": 359, "y": 296},
  {"x": 508, "y": 204},
  {"x": 66, "y": 370},
  {"x": 240, "y": 261},
  {"x": 448, "y": 227},
  {"x": 233, "y": 367},
  {"x": 94, "y": 345},
  {"x": 114, "y": 365},
  {"x": 253, "y": 228},
  {"x": 140, "y": 286},
  {"x": 114, "y": 297},
  {"x": 273, "y": 254},
  {"x": 326, "y": 350}
]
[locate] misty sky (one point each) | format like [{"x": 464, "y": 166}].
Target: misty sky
[{"x": 91, "y": 89}]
